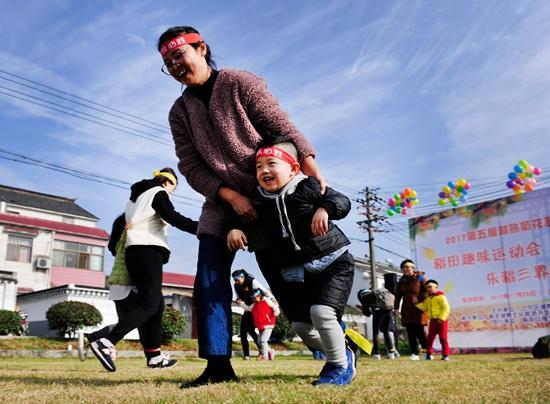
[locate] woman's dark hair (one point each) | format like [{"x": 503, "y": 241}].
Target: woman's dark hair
[
  {"x": 238, "y": 273},
  {"x": 432, "y": 281},
  {"x": 407, "y": 261},
  {"x": 163, "y": 179},
  {"x": 174, "y": 32}
]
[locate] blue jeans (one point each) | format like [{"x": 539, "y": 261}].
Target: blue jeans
[{"x": 212, "y": 297}]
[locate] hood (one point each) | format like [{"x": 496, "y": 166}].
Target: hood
[{"x": 140, "y": 187}]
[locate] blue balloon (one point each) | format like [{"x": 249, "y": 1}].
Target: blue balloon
[
  {"x": 442, "y": 195},
  {"x": 462, "y": 199},
  {"x": 513, "y": 176},
  {"x": 518, "y": 169},
  {"x": 464, "y": 193},
  {"x": 451, "y": 184}
]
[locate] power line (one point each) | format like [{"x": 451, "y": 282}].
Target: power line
[
  {"x": 88, "y": 176},
  {"x": 83, "y": 99},
  {"x": 151, "y": 139},
  {"x": 123, "y": 117}
]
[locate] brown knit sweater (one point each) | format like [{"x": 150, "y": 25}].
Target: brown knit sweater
[{"x": 216, "y": 145}]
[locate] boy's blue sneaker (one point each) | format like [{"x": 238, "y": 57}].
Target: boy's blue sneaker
[{"x": 333, "y": 374}]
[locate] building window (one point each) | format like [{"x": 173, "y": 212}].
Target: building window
[
  {"x": 19, "y": 249},
  {"x": 76, "y": 255}
]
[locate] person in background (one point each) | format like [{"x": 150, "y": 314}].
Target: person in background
[
  {"x": 138, "y": 295},
  {"x": 215, "y": 127},
  {"x": 265, "y": 313},
  {"x": 379, "y": 303},
  {"x": 244, "y": 284},
  {"x": 409, "y": 291},
  {"x": 437, "y": 308}
]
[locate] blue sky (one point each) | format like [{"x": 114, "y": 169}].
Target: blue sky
[{"x": 391, "y": 93}]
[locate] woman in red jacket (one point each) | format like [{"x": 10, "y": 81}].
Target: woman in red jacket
[{"x": 265, "y": 312}]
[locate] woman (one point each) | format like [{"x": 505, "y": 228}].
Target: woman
[
  {"x": 215, "y": 125},
  {"x": 410, "y": 289},
  {"x": 140, "y": 303},
  {"x": 244, "y": 285}
]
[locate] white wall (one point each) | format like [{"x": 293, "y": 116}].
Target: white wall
[
  {"x": 54, "y": 216},
  {"x": 38, "y": 303},
  {"x": 8, "y": 294}
]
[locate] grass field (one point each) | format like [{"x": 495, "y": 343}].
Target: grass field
[{"x": 466, "y": 378}]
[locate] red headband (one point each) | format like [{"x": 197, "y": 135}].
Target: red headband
[
  {"x": 175, "y": 43},
  {"x": 276, "y": 152}
]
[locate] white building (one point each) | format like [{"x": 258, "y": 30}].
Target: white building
[{"x": 48, "y": 240}]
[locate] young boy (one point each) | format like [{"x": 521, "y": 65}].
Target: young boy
[
  {"x": 437, "y": 308},
  {"x": 302, "y": 254}
]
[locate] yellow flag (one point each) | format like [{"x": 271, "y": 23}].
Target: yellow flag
[{"x": 360, "y": 341}]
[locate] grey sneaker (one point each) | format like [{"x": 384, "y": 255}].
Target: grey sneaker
[
  {"x": 414, "y": 357},
  {"x": 391, "y": 355},
  {"x": 161, "y": 361},
  {"x": 105, "y": 351},
  {"x": 376, "y": 357}
]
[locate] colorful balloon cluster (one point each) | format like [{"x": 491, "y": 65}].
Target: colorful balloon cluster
[
  {"x": 521, "y": 179},
  {"x": 454, "y": 192},
  {"x": 399, "y": 203}
]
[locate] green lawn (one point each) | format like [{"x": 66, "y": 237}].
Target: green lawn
[{"x": 465, "y": 379}]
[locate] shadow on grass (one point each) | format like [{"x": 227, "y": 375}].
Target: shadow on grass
[
  {"x": 269, "y": 379},
  {"x": 78, "y": 381}
]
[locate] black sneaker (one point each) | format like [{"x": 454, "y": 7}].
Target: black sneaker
[
  {"x": 105, "y": 351},
  {"x": 161, "y": 361}
]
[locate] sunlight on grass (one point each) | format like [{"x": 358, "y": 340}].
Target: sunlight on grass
[{"x": 466, "y": 378}]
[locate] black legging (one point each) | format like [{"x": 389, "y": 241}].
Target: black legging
[
  {"x": 247, "y": 328},
  {"x": 382, "y": 322},
  {"x": 144, "y": 265},
  {"x": 417, "y": 335}
]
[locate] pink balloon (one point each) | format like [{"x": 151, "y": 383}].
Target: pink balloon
[{"x": 537, "y": 171}]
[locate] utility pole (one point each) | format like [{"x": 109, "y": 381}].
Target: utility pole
[
  {"x": 373, "y": 279},
  {"x": 373, "y": 206}
]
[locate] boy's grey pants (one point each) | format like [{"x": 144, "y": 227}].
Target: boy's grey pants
[{"x": 325, "y": 334}]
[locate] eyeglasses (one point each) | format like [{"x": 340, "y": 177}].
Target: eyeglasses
[{"x": 177, "y": 57}]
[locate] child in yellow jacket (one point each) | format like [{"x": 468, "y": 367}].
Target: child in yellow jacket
[{"x": 437, "y": 308}]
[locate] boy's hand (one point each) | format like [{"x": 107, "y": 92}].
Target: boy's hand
[
  {"x": 238, "y": 301},
  {"x": 236, "y": 239},
  {"x": 319, "y": 223}
]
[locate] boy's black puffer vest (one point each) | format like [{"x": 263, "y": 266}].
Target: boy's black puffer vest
[{"x": 301, "y": 206}]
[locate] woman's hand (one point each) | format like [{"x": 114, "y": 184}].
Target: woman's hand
[
  {"x": 240, "y": 204},
  {"x": 319, "y": 222},
  {"x": 309, "y": 167},
  {"x": 236, "y": 239}
]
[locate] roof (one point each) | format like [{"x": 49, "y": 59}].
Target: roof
[
  {"x": 173, "y": 279},
  {"x": 37, "y": 200},
  {"x": 60, "y": 227}
]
